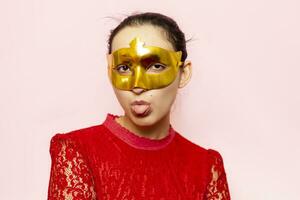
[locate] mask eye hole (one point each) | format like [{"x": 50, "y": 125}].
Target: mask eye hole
[
  {"x": 156, "y": 67},
  {"x": 123, "y": 69}
]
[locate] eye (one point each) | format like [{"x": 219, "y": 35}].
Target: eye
[
  {"x": 123, "y": 69},
  {"x": 156, "y": 67}
]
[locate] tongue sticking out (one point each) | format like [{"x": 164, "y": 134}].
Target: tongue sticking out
[{"x": 140, "y": 109}]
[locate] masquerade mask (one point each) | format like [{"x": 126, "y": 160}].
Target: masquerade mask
[{"x": 147, "y": 67}]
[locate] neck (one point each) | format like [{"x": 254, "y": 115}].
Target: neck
[{"x": 158, "y": 130}]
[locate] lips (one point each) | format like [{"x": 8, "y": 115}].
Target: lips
[
  {"x": 140, "y": 102},
  {"x": 141, "y": 108}
]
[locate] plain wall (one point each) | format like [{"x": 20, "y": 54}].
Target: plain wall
[{"x": 243, "y": 99}]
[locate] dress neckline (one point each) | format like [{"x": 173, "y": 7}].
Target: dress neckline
[{"x": 135, "y": 140}]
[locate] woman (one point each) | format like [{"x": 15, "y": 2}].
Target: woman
[{"x": 139, "y": 155}]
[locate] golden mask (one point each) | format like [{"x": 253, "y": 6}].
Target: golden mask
[{"x": 141, "y": 66}]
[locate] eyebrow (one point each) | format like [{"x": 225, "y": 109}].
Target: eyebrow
[
  {"x": 148, "y": 59},
  {"x": 126, "y": 56}
]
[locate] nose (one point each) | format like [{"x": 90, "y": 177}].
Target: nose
[{"x": 138, "y": 90}]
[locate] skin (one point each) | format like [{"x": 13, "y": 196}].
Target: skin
[{"x": 156, "y": 124}]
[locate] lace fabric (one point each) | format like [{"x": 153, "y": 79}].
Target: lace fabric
[
  {"x": 70, "y": 177},
  {"x": 93, "y": 163},
  {"x": 217, "y": 188}
]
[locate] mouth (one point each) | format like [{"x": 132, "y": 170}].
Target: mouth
[{"x": 141, "y": 108}]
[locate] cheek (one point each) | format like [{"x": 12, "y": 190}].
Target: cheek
[
  {"x": 123, "y": 97},
  {"x": 163, "y": 98}
]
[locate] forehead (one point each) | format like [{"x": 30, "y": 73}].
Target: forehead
[{"x": 151, "y": 35}]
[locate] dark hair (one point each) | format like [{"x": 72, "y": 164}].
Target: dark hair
[{"x": 174, "y": 34}]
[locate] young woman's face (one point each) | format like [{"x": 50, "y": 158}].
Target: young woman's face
[{"x": 160, "y": 100}]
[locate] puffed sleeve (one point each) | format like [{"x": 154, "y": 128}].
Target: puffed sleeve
[
  {"x": 217, "y": 188},
  {"x": 70, "y": 177}
]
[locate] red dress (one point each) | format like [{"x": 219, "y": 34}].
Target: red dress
[{"x": 108, "y": 162}]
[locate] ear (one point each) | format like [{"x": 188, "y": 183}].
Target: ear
[
  {"x": 186, "y": 74},
  {"x": 109, "y": 64}
]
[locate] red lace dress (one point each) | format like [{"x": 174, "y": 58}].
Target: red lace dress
[{"x": 108, "y": 162}]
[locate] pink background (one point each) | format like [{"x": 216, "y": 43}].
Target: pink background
[{"x": 243, "y": 99}]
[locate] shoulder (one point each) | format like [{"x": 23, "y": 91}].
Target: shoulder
[
  {"x": 211, "y": 154},
  {"x": 189, "y": 146},
  {"x": 214, "y": 165},
  {"x": 81, "y": 133},
  {"x": 217, "y": 186},
  {"x": 215, "y": 161},
  {"x": 215, "y": 155},
  {"x": 75, "y": 138}
]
